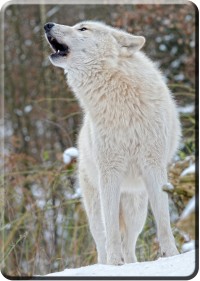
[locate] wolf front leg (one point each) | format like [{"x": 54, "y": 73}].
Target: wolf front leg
[
  {"x": 91, "y": 200},
  {"x": 110, "y": 200},
  {"x": 155, "y": 178}
]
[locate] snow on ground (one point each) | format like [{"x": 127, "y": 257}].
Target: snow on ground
[
  {"x": 189, "y": 170},
  {"x": 188, "y": 246},
  {"x": 180, "y": 265}
]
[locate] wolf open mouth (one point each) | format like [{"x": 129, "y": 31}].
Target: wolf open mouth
[{"x": 61, "y": 49}]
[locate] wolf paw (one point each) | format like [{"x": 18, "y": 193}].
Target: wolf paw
[
  {"x": 170, "y": 252},
  {"x": 115, "y": 260}
]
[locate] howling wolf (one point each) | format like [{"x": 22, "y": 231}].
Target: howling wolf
[{"x": 129, "y": 134}]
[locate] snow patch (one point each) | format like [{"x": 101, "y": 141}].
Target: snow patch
[
  {"x": 189, "y": 209},
  {"x": 186, "y": 109},
  {"x": 69, "y": 154},
  {"x": 28, "y": 108},
  {"x": 180, "y": 265},
  {"x": 189, "y": 246},
  {"x": 189, "y": 170}
]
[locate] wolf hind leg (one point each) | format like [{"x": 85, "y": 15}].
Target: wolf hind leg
[
  {"x": 155, "y": 178},
  {"x": 133, "y": 213}
]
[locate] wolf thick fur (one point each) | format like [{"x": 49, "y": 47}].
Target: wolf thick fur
[{"x": 129, "y": 134}]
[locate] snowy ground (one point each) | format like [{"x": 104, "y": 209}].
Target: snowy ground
[{"x": 180, "y": 265}]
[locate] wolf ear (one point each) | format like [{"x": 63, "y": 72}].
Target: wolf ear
[{"x": 129, "y": 41}]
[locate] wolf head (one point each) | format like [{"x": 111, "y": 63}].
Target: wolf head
[{"x": 89, "y": 42}]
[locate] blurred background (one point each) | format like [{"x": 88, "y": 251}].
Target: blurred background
[{"x": 44, "y": 228}]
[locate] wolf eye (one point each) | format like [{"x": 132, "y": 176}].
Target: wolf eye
[{"x": 83, "y": 29}]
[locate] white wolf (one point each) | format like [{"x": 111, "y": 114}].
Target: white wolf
[{"x": 129, "y": 134}]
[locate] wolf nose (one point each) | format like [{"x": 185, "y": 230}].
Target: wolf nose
[{"x": 48, "y": 26}]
